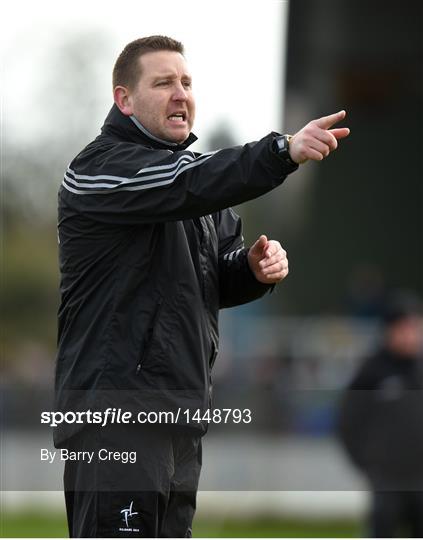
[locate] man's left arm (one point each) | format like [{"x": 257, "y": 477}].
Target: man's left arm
[{"x": 246, "y": 274}]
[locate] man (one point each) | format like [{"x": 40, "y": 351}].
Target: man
[
  {"x": 149, "y": 252},
  {"x": 380, "y": 422}
]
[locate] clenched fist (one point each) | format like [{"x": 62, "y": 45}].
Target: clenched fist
[
  {"x": 268, "y": 261},
  {"x": 315, "y": 140}
]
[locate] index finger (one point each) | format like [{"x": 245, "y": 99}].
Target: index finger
[{"x": 325, "y": 122}]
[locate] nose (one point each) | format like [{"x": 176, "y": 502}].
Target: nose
[{"x": 179, "y": 94}]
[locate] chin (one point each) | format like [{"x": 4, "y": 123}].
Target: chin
[{"x": 177, "y": 138}]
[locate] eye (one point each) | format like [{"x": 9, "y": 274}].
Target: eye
[
  {"x": 187, "y": 84},
  {"x": 162, "y": 83}
]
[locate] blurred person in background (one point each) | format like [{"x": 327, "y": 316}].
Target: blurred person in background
[
  {"x": 381, "y": 421},
  {"x": 366, "y": 293},
  {"x": 149, "y": 252}
]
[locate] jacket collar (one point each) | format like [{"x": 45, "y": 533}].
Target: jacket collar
[{"x": 130, "y": 129}]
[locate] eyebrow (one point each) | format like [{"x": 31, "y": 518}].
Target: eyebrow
[{"x": 171, "y": 76}]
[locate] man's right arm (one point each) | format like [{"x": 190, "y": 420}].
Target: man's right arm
[{"x": 129, "y": 184}]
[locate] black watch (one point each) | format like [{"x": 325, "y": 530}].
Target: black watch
[{"x": 281, "y": 147}]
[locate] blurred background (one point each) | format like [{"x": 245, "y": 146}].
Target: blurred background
[{"x": 352, "y": 226}]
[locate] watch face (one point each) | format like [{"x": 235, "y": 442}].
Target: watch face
[{"x": 282, "y": 144}]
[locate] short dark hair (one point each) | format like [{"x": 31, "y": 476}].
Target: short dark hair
[{"x": 127, "y": 69}]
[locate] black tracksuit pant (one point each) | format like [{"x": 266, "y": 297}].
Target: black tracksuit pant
[{"x": 153, "y": 497}]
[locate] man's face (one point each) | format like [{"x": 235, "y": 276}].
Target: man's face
[
  {"x": 162, "y": 99},
  {"x": 405, "y": 337}
]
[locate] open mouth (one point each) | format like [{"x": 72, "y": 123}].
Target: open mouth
[{"x": 179, "y": 117}]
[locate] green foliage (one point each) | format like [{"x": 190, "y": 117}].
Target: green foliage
[{"x": 29, "y": 286}]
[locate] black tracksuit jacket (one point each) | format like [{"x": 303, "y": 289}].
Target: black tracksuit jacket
[{"x": 149, "y": 252}]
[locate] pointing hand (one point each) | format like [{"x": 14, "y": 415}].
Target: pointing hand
[{"x": 316, "y": 140}]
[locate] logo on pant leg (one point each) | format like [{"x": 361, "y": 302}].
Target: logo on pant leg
[{"x": 127, "y": 514}]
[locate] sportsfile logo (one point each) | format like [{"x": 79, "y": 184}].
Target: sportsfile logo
[{"x": 128, "y": 513}]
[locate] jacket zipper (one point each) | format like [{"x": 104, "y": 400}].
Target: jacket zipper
[{"x": 152, "y": 329}]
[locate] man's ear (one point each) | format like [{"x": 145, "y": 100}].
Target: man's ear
[{"x": 123, "y": 100}]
